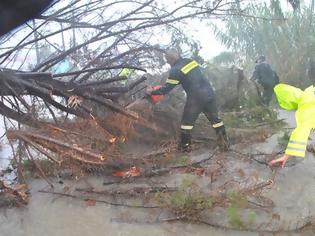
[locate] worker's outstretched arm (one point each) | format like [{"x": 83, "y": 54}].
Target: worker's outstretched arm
[
  {"x": 298, "y": 141},
  {"x": 282, "y": 160},
  {"x": 169, "y": 85},
  {"x": 296, "y": 146}
]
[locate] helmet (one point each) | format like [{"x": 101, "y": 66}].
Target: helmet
[{"x": 261, "y": 58}]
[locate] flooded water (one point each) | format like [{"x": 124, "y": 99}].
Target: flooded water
[
  {"x": 50, "y": 215},
  {"x": 5, "y": 151},
  {"x": 5, "y": 156}
]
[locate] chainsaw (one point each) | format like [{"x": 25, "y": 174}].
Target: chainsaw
[{"x": 154, "y": 99}]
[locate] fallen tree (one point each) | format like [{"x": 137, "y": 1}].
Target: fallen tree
[{"x": 43, "y": 86}]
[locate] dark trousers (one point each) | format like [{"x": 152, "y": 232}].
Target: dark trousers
[
  {"x": 267, "y": 94},
  {"x": 192, "y": 109}
]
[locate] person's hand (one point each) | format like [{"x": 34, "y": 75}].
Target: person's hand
[
  {"x": 282, "y": 160},
  {"x": 149, "y": 90}
]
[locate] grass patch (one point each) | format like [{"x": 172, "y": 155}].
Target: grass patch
[
  {"x": 188, "y": 200},
  {"x": 238, "y": 202},
  {"x": 252, "y": 118},
  {"x": 181, "y": 160}
]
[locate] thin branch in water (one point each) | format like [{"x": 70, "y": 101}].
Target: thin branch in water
[
  {"x": 38, "y": 167},
  {"x": 97, "y": 200}
]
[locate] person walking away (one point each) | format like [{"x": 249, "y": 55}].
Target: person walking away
[{"x": 265, "y": 76}]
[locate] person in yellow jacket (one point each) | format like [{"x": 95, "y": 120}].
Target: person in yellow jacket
[
  {"x": 125, "y": 72},
  {"x": 292, "y": 98}
]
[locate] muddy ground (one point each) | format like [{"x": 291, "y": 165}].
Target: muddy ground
[{"x": 206, "y": 191}]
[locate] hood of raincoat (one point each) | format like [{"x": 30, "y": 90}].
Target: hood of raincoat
[{"x": 288, "y": 96}]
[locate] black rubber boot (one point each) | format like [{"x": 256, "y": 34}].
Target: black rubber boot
[
  {"x": 222, "y": 138},
  {"x": 185, "y": 141}
]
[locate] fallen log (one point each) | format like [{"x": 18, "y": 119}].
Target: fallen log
[{"x": 93, "y": 157}]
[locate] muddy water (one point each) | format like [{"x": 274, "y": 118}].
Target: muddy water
[
  {"x": 50, "y": 215},
  {"x": 47, "y": 215}
]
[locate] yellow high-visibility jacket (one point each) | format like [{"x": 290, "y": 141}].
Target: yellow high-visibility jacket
[
  {"x": 126, "y": 72},
  {"x": 292, "y": 98}
]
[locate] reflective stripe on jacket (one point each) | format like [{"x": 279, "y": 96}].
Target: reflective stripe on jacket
[
  {"x": 189, "y": 74},
  {"x": 292, "y": 98}
]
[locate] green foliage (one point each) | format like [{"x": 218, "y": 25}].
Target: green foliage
[
  {"x": 237, "y": 199},
  {"x": 235, "y": 218},
  {"x": 181, "y": 160},
  {"x": 188, "y": 200},
  {"x": 251, "y": 117},
  {"x": 262, "y": 114},
  {"x": 225, "y": 58},
  {"x": 183, "y": 202},
  {"x": 287, "y": 39},
  {"x": 238, "y": 202},
  {"x": 232, "y": 121}
]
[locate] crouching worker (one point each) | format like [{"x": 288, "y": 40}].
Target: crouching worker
[
  {"x": 200, "y": 98},
  {"x": 291, "y": 98}
]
